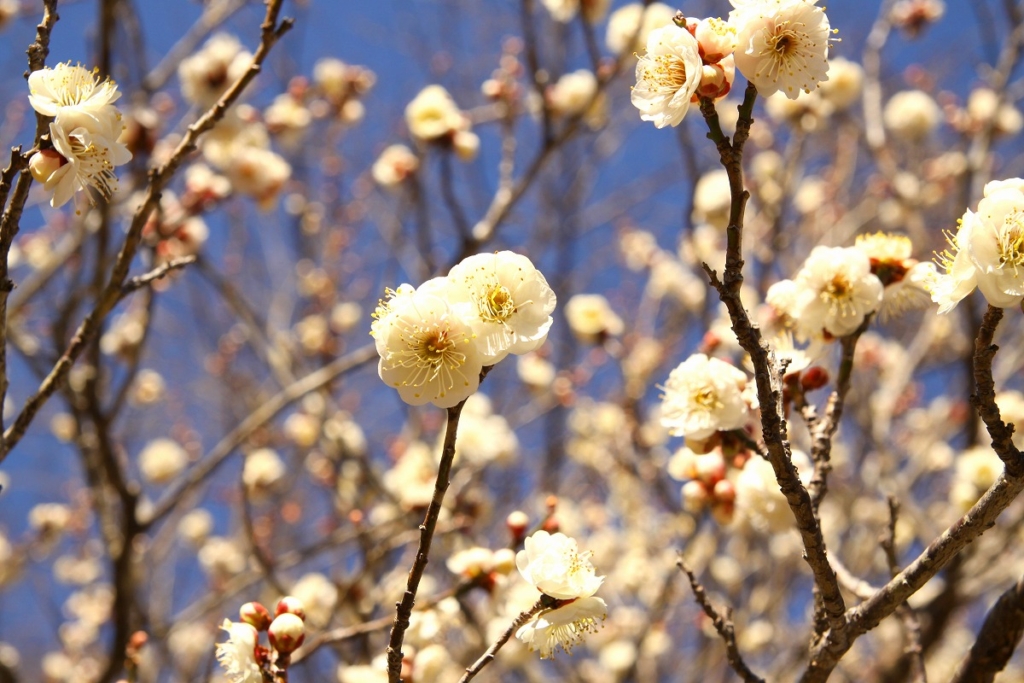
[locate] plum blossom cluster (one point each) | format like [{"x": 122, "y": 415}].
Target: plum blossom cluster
[
  {"x": 554, "y": 565},
  {"x": 778, "y": 45},
  {"x": 83, "y": 147},
  {"x": 435, "y": 339},
  {"x": 835, "y": 290},
  {"x": 987, "y": 251},
  {"x": 244, "y": 659}
]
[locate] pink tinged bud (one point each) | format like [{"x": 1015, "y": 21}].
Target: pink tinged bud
[
  {"x": 286, "y": 633},
  {"x": 814, "y": 377},
  {"x": 44, "y": 164},
  {"x": 291, "y": 605},
  {"x": 695, "y": 496},
  {"x": 724, "y": 492},
  {"x": 256, "y": 615},
  {"x": 709, "y": 468},
  {"x": 716, "y": 80},
  {"x": 517, "y": 523}
]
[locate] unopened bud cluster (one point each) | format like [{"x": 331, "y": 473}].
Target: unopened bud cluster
[{"x": 244, "y": 658}]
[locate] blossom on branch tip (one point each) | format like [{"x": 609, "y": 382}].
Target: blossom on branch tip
[
  {"x": 835, "y": 290},
  {"x": 506, "y": 301},
  {"x": 667, "y": 76},
  {"x": 781, "y": 45},
  {"x": 238, "y": 655}
]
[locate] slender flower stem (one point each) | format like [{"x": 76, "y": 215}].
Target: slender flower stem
[
  {"x": 419, "y": 565},
  {"x": 488, "y": 657}
]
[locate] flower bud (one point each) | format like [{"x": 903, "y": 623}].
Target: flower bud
[
  {"x": 716, "y": 79},
  {"x": 290, "y": 605},
  {"x": 813, "y": 378},
  {"x": 286, "y": 633},
  {"x": 466, "y": 145},
  {"x": 709, "y": 468},
  {"x": 44, "y": 164},
  {"x": 695, "y": 496},
  {"x": 724, "y": 491},
  {"x": 517, "y": 522},
  {"x": 256, "y": 615}
]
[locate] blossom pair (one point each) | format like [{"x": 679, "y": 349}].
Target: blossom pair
[
  {"x": 554, "y": 565},
  {"x": 434, "y": 340},
  {"x": 778, "y": 45},
  {"x": 83, "y": 134}
]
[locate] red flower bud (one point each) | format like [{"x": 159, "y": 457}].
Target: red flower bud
[
  {"x": 814, "y": 378},
  {"x": 286, "y": 633},
  {"x": 256, "y": 615},
  {"x": 290, "y": 605}
]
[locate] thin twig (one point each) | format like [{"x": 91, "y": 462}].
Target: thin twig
[
  {"x": 911, "y": 624},
  {"x": 272, "y": 31},
  {"x": 488, "y": 656},
  {"x": 723, "y": 625},
  {"x": 998, "y": 637},
  {"x": 419, "y": 565},
  {"x": 158, "y": 273}
]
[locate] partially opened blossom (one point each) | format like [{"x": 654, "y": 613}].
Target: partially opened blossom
[
  {"x": 563, "y": 627},
  {"x": 506, "y": 301},
  {"x": 781, "y": 45},
  {"x": 667, "y": 76},
  {"x": 704, "y": 395},
  {"x": 238, "y": 655}
]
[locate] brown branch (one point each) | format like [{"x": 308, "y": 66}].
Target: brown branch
[
  {"x": 158, "y": 273},
  {"x": 272, "y": 30},
  {"x": 723, "y": 625},
  {"x": 825, "y": 430},
  {"x": 830, "y": 605},
  {"x": 998, "y": 638},
  {"x": 419, "y": 565},
  {"x": 984, "y": 397},
  {"x": 1007, "y": 487},
  {"x": 911, "y": 624},
  {"x": 339, "y": 635},
  {"x": 488, "y": 656}
]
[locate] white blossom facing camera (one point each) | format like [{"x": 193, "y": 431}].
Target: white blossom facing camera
[
  {"x": 554, "y": 565},
  {"x": 75, "y": 97},
  {"x": 704, "y": 395},
  {"x": 427, "y": 351},
  {"x": 505, "y": 300},
  {"x": 781, "y": 45},
  {"x": 836, "y": 290},
  {"x": 667, "y": 76}
]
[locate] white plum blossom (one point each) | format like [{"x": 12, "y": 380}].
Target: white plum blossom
[
  {"x": 207, "y": 74},
  {"x": 704, "y": 395},
  {"x": 634, "y": 22},
  {"x": 84, "y": 132},
  {"x": 564, "y": 626},
  {"x": 394, "y": 165},
  {"x": 427, "y": 351},
  {"x": 667, "y": 76},
  {"x": 987, "y": 251},
  {"x": 591, "y": 317},
  {"x": 835, "y": 290},
  {"x": 433, "y": 114},
  {"x": 238, "y": 655},
  {"x": 912, "y": 114},
  {"x": 781, "y": 45},
  {"x": 162, "y": 460},
  {"x": 554, "y": 564},
  {"x": 506, "y": 301},
  {"x": 75, "y": 97},
  {"x": 759, "y": 499}
]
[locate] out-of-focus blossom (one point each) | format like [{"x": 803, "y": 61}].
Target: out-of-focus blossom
[
  {"x": 394, "y": 165},
  {"x": 591, "y": 318},
  {"x": 635, "y": 20},
  {"x": 162, "y": 460},
  {"x": 912, "y": 114},
  {"x": 207, "y": 74}
]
